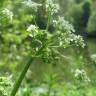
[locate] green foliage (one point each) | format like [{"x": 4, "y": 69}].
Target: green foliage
[
  {"x": 79, "y": 15},
  {"x": 92, "y": 23},
  {"x": 76, "y": 15},
  {"x": 5, "y": 86},
  {"x": 52, "y": 87}
]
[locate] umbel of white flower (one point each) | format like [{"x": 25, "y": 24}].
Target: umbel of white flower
[
  {"x": 8, "y": 13},
  {"x": 62, "y": 37}
]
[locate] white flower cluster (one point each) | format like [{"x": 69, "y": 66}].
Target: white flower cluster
[
  {"x": 81, "y": 74},
  {"x": 67, "y": 33},
  {"x": 51, "y": 7},
  {"x": 8, "y": 13},
  {"x": 79, "y": 41},
  {"x": 66, "y": 25},
  {"x": 93, "y": 57},
  {"x": 63, "y": 25},
  {"x": 32, "y": 4},
  {"x": 31, "y": 28}
]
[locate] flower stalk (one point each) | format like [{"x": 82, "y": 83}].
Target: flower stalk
[{"x": 21, "y": 77}]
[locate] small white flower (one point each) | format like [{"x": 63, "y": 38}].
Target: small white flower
[{"x": 31, "y": 28}]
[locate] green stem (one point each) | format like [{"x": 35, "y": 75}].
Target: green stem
[
  {"x": 48, "y": 23},
  {"x": 21, "y": 77}
]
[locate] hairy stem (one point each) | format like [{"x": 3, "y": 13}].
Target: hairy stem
[{"x": 21, "y": 77}]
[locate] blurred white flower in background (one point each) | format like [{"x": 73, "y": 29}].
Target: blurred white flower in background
[
  {"x": 8, "y": 13},
  {"x": 93, "y": 57},
  {"x": 30, "y": 3},
  {"x": 79, "y": 72},
  {"x": 81, "y": 75},
  {"x": 31, "y": 28}
]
